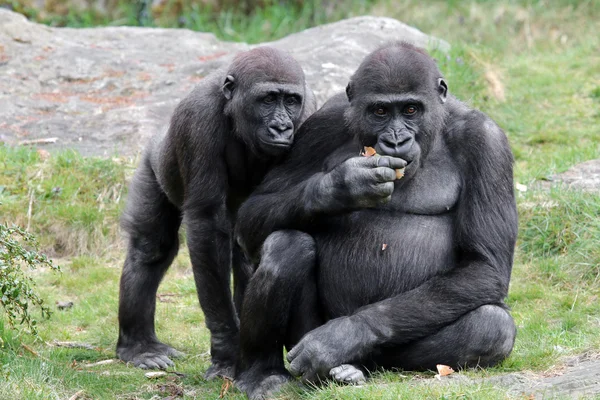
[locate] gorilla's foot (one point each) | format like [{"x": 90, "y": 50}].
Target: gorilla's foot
[
  {"x": 262, "y": 386},
  {"x": 349, "y": 374},
  {"x": 220, "y": 369},
  {"x": 148, "y": 355}
]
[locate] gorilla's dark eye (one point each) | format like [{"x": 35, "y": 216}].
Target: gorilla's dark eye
[
  {"x": 410, "y": 110},
  {"x": 380, "y": 111},
  {"x": 290, "y": 101},
  {"x": 269, "y": 99}
]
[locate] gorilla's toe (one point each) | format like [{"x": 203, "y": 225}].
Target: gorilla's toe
[
  {"x": 262, "y": 387},
  {"x": 220, "y": 370},
  {"x": 347, "y": 373},
  {"x": 149, "y": 355}
]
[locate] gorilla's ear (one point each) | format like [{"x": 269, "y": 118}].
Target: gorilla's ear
[
  {"x": 442, "y": 89},
  {"x": 350, "y": 91},
  {"x": 228, "y": 87}
]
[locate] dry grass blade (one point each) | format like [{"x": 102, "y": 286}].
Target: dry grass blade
[
  {"x": 495, "y": 84},
  {"x": 227, "y": 384},
  {"x": 30, "y": 350}
]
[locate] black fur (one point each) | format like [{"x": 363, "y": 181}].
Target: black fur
[
  {"x": 406, "y": 273},
  {"x": 222, "y": 139}
]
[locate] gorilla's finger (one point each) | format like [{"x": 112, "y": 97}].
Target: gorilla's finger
[
  {"x": 390, "y": 162},
  {"x": 164, "y": 361},
  {"x": 356, "y": 377},
  {"x": 310, "y": 376},
  {"x": 296, "y": 367},
  {"x": 383, "y": 174},
  {"x": 294, "y": 352},
  {"x": 342, "y": 372},
  {"x": 384, "y": 189},
  {"x": 151, "y": 364},
  {"x": 171, "y": 352}
]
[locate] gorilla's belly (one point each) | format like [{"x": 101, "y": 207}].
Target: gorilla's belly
[{"x": 369, "y": 256}]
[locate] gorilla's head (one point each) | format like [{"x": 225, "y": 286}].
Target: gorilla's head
[
  {"x": 397, "y": 102},
  {"x": 265, "y": 91}
]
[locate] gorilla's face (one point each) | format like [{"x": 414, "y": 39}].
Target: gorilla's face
[
  {"x": 397, "y": 98},
  {"x": 275, "y": 113},
  {"x": 265, "y": 114},
  {"x": 395, "y": 122}
]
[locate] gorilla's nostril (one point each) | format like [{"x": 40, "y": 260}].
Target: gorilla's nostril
[
  {"x": 402, "y": 141},
  {"x": 281, "y": 134}
]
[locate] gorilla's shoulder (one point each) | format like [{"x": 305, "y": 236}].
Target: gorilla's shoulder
[
  {"x": 471, "y": 132},
  {"x": 326, "y": 128},
  {"x": 338, "y": 101}
]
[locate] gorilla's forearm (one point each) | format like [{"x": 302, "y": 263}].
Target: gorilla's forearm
[
  {"x": 264, "y": 213},
  {"x": 437, "y": 303}
]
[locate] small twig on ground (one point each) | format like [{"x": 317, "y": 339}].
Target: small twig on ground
[
  {"x": 73, "y": 345},
  {"x": 30, "y": 350},
  {"x": 77, "y": 395},
  {"x": 38, "y": 141},
  {"x": 29, "y": 209},
  {"x": 103, "y": 362}
]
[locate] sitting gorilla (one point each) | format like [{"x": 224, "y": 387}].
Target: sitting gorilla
[
  {"x": 361, "y": 269},
  {"x": 223, "y": 137}
]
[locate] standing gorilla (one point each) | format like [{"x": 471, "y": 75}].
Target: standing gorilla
[
  {"x": 222, "y": 139},
  {"x": 359, "y": 268}
]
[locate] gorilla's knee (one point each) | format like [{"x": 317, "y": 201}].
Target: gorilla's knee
[
  {"x": 497, "y": 333},
  {"x": 288, "y": 252}
]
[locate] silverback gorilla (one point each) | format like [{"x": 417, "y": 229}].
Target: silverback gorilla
[
  {"x": 222, "y": 139},
  {"x": 359, "y": 269}
]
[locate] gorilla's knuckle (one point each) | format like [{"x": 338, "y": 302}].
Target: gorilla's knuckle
[
  {"x": 383, "y": 174},
  {"x": 385, "y": 189}
]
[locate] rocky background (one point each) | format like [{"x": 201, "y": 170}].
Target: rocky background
[{"x": 103, "y": 91}]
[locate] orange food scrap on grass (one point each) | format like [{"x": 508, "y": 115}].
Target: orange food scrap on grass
[{"x": 443, "y": 370}]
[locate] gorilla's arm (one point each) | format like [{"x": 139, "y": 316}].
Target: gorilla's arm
[
  {"x": 290, "y": 192},
  {"x": 294, "y": 194},
  {"x": 485, "y": 237}
]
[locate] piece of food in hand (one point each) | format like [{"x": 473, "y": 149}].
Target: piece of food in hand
[{"x": 370, "y": 151}]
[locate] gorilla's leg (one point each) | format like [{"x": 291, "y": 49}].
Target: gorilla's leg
[
  {"x": 280, "y": 305},
  {"x": 483, "y": 337},
  {"x": 242, "y": 272},
  {"x": 152, "y": 223},
  {"x": 208, "y": 235}
]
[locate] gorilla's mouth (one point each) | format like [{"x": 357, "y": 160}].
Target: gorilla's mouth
[
  {"x": 277, "y": 143},
  {"x": 275, "y": 147}
]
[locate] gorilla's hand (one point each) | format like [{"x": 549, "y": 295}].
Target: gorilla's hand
[
  {"x": 341, "y": 340},
  {"x": 360, "y": 182}
]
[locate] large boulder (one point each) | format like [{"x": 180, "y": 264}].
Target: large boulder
[{"x": 103, "y": 91}]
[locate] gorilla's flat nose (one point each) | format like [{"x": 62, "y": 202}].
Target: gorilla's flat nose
[{"x": 281, "y": 131}]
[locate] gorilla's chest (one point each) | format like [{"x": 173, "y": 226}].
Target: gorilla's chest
[
  {"x": 373, "y": 254},
  {"x": 433, "y": 190}
]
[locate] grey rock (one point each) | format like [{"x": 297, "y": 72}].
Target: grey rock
[
  {"x": 578, "y": 381},
  {"x": 584, "y": 176},
  {"x": 576, "y": 377},
  {"x": 64, "y": 305},
  {"x": 104, "y": 91}
]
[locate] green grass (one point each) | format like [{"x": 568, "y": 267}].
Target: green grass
[{"x": 545, "y": 57}]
